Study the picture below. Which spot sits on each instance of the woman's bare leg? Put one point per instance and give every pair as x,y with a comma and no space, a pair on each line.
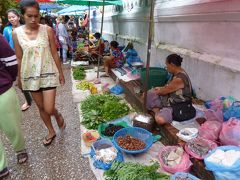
38,97
106,61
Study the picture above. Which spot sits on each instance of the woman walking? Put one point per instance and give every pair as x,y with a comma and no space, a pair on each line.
14,22
39,65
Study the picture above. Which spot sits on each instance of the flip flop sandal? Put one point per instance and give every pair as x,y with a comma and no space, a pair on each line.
49,140
22,156
25,108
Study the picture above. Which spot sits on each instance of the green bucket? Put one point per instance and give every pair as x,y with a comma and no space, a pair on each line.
157,76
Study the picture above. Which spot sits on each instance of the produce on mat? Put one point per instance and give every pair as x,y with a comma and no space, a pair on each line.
111,129
224,158
79,73
174,157
90,137
97,109
130,143
199,147
84,85
134,171
106,155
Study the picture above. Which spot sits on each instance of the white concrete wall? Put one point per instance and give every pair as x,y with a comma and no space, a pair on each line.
204,32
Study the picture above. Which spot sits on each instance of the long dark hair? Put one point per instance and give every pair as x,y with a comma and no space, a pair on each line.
28,3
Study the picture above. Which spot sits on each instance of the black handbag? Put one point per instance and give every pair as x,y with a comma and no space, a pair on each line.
183,111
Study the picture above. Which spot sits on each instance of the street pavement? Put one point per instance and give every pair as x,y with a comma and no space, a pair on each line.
62,160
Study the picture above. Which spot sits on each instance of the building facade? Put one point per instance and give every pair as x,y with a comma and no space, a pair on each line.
203,32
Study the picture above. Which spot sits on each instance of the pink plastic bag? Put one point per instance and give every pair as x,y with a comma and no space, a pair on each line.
214,115
184,165
210,130
208,143
230,133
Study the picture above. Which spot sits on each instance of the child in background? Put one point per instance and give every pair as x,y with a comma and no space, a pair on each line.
132,55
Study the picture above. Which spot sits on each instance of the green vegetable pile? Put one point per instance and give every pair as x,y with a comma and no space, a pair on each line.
98,109
79,73
134,171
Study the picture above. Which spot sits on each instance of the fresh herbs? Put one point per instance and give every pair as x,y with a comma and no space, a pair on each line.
79,73
97,109
134,171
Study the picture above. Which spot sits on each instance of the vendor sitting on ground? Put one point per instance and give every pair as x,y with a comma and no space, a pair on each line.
99,47
115,60
177,90
132,55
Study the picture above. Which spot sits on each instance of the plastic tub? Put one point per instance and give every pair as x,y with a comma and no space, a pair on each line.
157,76
135,132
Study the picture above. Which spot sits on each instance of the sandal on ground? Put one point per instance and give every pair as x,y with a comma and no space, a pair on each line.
48,141
25,107
4,173
22,156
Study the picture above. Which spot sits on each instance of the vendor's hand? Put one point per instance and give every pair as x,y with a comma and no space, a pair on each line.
157,90
62,79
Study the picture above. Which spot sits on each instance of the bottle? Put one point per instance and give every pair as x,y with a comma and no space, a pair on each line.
117,80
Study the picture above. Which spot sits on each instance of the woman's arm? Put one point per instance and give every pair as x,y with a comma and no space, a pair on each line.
19,54
55,55
171,87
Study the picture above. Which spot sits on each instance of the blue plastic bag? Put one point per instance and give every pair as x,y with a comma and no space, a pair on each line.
100,164
117,89
224,172
183,175
232,111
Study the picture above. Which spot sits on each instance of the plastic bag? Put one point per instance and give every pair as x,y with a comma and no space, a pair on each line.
210,130
230,133
232,111
117,89
184,165
215,104
224,172
183,176
210,144
100,164
214,115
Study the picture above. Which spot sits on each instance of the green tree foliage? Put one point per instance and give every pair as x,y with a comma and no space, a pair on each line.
4,6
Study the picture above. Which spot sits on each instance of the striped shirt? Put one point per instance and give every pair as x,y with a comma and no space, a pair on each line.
8,65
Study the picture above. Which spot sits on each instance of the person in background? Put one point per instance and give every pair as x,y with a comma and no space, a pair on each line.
71,25
40,65
14,22
49,22
115,60
42,20
9,107
99,45
132,55
63,38
1,26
